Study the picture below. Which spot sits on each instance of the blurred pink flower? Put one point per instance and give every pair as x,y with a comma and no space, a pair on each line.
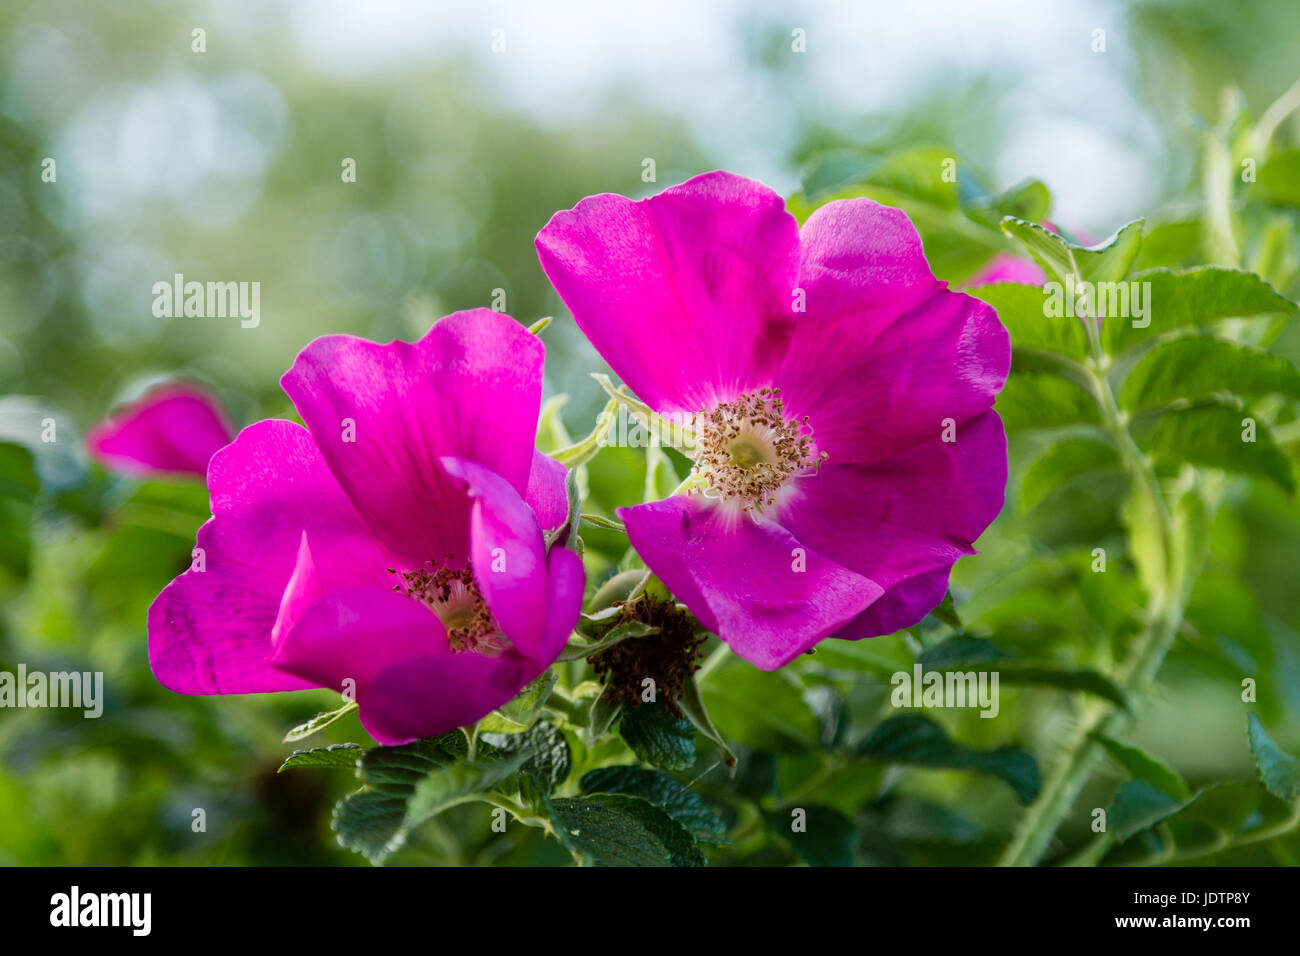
172,429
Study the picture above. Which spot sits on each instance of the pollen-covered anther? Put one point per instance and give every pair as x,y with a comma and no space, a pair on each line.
453,595
748,449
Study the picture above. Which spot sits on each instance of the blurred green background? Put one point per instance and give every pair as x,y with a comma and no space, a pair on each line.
225,165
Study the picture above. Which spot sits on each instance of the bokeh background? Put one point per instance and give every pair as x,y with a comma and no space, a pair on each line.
470,124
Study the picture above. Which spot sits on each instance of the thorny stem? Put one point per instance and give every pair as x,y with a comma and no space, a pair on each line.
1137,675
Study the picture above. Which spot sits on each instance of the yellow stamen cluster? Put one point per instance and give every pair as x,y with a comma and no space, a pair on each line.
748,449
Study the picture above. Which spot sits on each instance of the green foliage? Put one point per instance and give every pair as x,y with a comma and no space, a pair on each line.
916,740
615,829
683,805
658,737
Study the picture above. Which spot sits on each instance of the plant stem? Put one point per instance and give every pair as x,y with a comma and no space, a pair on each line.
1137,675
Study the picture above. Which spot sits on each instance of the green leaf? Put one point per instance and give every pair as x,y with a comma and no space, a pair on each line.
1021,308
1063,462
1146,768
1214,436
916,740
657,737
335,755
1138,805
615,829
621,632
318,723
1107,261
1209,820
828,838
549,759
1192,297
1033,400
404,787
1279,771
518,714
1197,367
760,709
685,806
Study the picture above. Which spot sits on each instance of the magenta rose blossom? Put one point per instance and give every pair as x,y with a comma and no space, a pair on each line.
172,429
394,546
846,452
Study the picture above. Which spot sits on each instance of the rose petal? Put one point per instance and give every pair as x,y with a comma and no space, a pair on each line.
688,294
546,493
886,353
909,514
508,555
210,630
753,584
470,388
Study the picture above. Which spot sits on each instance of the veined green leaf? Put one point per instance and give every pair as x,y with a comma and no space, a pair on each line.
1196,367
685,806
1192,297
1107,261
1216,436
318,723
404,787
657,737
617,829
335,755
1279,771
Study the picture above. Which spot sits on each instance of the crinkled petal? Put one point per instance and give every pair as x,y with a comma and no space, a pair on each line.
172,429
210,630
689,295
906,515
752,583
886,354
383,415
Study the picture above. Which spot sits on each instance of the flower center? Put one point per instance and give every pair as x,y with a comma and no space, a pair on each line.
454,596
747,450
